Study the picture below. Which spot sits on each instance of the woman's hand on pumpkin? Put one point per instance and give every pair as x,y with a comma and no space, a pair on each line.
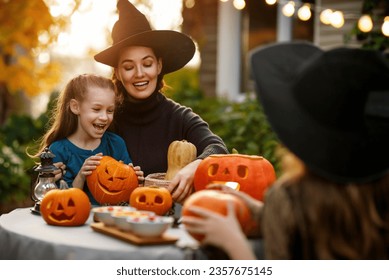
181,185
139,173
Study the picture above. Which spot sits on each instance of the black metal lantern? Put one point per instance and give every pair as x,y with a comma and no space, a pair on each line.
46,179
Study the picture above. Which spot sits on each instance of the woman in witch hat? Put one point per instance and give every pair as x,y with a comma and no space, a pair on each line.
330,110
147,120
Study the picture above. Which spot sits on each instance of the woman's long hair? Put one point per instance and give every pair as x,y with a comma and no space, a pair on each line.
63,122
339,221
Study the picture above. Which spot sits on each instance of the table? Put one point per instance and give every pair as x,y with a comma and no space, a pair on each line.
25,236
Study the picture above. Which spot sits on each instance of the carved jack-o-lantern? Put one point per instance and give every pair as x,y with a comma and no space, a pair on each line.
253,173
112,181
152,198
65,207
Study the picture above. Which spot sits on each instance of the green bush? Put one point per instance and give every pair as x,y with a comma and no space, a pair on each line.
15,165
18,135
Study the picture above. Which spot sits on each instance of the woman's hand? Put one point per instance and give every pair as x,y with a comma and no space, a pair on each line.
58,174
182,184
221,231
138,173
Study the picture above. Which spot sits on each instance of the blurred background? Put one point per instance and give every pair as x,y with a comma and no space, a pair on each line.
44,43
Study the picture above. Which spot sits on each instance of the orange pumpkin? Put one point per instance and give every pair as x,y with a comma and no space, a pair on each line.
112,181
216,201
152,198
253,173
65,207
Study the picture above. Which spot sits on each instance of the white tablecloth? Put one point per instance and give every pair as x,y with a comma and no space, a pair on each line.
24,235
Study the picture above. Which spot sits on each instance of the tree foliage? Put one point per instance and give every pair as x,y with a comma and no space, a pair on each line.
27,30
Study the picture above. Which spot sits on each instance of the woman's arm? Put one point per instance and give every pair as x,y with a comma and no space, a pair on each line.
197,132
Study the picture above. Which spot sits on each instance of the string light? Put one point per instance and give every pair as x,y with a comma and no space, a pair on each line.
327,16
365,23
189,4
304,12
337,19
385,26
288,9
239,4
271,2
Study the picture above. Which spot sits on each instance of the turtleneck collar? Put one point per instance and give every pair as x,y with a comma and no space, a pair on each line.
140,111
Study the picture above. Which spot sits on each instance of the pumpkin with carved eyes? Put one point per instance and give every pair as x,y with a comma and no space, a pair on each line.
253,173
112,181
65,207
152,198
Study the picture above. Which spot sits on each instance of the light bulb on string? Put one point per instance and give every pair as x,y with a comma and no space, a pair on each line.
304,13
189,4
271,2
239,4
288,9
325,16
337,19
365,23
385,26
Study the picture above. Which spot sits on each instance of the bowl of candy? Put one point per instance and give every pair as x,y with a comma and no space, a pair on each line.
104,213
120,218
150,226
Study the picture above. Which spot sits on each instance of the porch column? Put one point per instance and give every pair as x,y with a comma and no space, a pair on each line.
228,54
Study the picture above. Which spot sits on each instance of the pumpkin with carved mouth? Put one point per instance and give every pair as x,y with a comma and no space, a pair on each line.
65,207
254,174
112,181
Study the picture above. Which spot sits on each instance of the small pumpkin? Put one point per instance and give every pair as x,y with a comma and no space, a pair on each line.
180,154
216,201
65,207
253,173
152,198
112,181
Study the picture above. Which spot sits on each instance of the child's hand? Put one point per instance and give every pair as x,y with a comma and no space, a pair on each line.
90,164
221,231
138,173
255,206
214,226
